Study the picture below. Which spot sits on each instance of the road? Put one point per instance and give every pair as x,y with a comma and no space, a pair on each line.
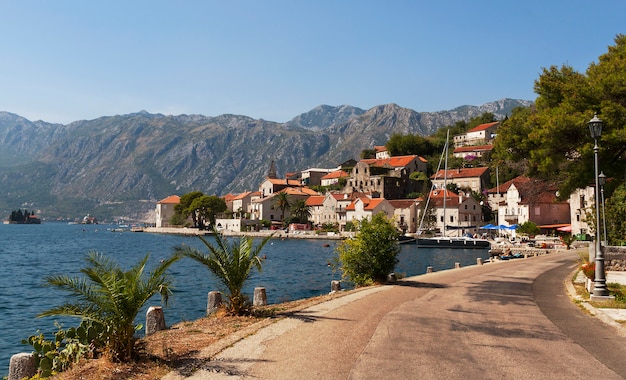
508,320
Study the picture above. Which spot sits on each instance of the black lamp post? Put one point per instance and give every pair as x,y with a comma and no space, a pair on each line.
599,288
602,181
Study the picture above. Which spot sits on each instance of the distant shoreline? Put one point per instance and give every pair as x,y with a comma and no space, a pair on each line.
277,234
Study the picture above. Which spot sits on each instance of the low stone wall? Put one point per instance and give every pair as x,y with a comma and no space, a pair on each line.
615,258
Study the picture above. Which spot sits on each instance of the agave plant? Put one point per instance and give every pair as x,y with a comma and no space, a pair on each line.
112,297
232,263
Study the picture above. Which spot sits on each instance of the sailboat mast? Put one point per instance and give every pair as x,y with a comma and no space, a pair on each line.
445,183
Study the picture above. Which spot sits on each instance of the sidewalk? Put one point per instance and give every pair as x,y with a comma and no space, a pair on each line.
612,317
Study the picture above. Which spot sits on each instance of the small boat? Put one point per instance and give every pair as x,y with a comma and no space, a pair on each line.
453,242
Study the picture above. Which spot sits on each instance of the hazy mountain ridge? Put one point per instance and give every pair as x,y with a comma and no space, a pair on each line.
110,163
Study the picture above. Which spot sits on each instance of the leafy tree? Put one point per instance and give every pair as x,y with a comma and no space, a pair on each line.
372,254
205,208
301,211
282,202
112,297
184,208
615,216
368,153
402,145
232,263
529,228
552,140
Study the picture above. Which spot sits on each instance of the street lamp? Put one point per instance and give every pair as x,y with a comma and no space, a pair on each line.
602,181
599,288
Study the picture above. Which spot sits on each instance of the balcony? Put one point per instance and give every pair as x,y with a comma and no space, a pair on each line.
511,219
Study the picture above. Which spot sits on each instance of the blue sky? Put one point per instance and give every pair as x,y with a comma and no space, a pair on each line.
62,61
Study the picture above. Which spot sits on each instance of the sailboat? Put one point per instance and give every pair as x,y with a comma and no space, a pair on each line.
463,242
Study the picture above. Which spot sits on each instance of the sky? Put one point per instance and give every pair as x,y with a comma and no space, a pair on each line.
62,61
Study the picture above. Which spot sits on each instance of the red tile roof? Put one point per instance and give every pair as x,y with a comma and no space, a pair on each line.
460,173
172,199
380,148
482,127
395,162
315,200
336,174
475,148
402,203
243,195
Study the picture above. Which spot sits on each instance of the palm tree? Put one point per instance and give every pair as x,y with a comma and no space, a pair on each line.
301,210
232,263
112,297
282,202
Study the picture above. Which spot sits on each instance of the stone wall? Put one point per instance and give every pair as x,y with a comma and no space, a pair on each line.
615,258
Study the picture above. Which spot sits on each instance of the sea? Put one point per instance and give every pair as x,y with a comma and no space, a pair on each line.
293,269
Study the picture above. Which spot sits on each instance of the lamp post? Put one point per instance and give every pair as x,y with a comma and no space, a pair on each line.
599,288
602,181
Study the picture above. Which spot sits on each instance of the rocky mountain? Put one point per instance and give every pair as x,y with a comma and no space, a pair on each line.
119,166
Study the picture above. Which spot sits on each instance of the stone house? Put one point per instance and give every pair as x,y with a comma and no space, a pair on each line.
386,178
475,179
405,214
263,207
582,205
241,202
165,210
526,199
472,151
333,177
483,134
462,213
365,208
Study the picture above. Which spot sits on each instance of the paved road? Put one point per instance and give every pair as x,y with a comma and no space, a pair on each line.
509,320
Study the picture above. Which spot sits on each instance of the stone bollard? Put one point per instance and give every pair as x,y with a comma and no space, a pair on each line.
155,320
214,302
22,365
335,286
391,278
260,297
429,269
479,261
457,265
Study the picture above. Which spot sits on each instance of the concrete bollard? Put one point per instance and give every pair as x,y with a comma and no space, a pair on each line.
22,365
429,269
155,320
335,286
391,278
214,302
457,265
479,261
260,297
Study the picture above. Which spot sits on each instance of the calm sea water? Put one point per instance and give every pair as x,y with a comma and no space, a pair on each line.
294,269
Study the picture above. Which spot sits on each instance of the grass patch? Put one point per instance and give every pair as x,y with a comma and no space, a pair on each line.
616,290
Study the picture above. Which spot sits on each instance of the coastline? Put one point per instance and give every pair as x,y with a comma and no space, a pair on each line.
276,234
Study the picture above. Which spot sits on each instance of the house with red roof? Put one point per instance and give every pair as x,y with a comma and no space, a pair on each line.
458,214
475,151
475,179
524,199
365,208
165,210
241,202
264,207
381,151
333,177
405,214
387,177
480,135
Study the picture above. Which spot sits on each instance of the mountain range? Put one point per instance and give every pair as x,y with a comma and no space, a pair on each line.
119,166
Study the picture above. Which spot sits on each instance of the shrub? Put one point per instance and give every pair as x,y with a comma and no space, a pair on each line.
372,254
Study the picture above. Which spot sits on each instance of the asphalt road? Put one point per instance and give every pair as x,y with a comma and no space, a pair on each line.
509,320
